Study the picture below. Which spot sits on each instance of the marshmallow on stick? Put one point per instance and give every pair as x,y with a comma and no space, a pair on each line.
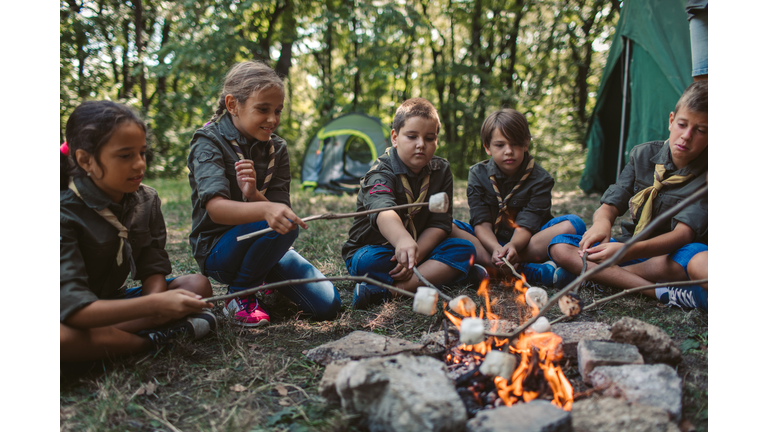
536,297
498,363
472,331
463,305
425,301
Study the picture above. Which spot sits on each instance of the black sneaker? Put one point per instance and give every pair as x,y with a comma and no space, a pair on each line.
194,326
366,296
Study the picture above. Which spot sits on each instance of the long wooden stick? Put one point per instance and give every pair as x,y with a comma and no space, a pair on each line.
337,216
609,262
429,284
634,290
515,273
280,284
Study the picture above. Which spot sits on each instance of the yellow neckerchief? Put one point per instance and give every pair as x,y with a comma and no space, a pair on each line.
409,195
644,199
503,202
270,166
110,217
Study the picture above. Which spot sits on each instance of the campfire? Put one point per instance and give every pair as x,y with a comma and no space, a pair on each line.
486,380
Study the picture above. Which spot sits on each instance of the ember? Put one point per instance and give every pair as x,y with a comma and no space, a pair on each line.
537,376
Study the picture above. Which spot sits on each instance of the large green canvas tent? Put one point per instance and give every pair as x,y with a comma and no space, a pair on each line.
648,68
342,152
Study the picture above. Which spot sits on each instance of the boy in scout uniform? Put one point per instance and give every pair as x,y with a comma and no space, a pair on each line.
510,202
658,175
388,245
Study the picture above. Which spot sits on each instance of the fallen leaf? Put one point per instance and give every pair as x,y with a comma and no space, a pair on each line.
281,390
305,352
147,389
284,402
238,388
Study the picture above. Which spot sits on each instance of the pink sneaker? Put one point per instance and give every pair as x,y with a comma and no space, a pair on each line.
246,311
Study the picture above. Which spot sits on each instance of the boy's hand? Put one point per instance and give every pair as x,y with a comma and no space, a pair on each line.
178,303
507,251
602,252
407,256
281,218
596,234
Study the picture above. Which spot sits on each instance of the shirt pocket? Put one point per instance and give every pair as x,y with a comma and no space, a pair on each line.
518,203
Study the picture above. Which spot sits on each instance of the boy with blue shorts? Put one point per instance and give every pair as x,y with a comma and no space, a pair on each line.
388,245
510,202
658,175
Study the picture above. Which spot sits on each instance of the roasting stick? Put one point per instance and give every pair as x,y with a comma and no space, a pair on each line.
429,284
609,262
633,290
438,203
280,284
514,272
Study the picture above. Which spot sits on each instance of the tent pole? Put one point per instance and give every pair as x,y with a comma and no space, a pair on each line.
619,166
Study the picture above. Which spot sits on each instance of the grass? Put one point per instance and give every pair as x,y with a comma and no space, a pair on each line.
260,379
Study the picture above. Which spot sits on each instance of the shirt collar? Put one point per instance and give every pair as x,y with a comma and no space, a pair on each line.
96,199
494,170
398,167
696,167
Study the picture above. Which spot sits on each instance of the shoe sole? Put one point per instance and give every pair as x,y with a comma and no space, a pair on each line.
243,323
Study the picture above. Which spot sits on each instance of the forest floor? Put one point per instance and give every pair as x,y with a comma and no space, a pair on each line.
260,379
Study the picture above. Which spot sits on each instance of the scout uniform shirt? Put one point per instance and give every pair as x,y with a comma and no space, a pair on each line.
638,174
530,207
212,173
89,243
381,187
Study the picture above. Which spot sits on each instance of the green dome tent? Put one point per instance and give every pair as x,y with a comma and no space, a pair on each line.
648,68
342,152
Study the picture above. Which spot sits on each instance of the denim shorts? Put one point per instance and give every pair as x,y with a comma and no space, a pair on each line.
135,292
681,256
699,43
576,221
375,259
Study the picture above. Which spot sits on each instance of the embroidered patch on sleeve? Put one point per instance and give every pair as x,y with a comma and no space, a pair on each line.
379,187
204,156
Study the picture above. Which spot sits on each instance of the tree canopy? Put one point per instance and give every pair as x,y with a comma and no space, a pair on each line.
168,58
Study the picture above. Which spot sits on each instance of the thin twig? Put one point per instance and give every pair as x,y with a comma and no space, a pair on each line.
634,290
280,284
610,261
515,273
422,278
329,216
160,419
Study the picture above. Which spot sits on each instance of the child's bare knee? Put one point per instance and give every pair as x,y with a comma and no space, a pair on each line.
195,283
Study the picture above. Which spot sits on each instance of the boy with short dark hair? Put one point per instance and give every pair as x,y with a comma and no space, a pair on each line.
658,175
388,245
510,202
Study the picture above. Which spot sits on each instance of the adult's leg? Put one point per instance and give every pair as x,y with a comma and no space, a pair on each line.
319,299
98,343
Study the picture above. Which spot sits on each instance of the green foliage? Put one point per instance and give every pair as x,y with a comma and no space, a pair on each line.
542,57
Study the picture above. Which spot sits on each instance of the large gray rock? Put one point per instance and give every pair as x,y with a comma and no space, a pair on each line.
596,353
613,415
358,345
654,343
653,385
401,393
534,416
575,332
327,386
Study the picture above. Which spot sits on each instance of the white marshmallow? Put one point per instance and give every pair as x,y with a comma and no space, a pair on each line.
462,305
541,325
472,331
425,301
438,203
536,297
498,363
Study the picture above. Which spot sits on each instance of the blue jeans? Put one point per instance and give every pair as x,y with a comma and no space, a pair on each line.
267,258
576,221
375,259
699,43
681,256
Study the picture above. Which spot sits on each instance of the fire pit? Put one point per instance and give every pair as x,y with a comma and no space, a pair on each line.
537,374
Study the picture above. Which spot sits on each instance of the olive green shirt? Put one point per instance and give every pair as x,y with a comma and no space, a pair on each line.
212,173
530,207
638,174
89,244
381,187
